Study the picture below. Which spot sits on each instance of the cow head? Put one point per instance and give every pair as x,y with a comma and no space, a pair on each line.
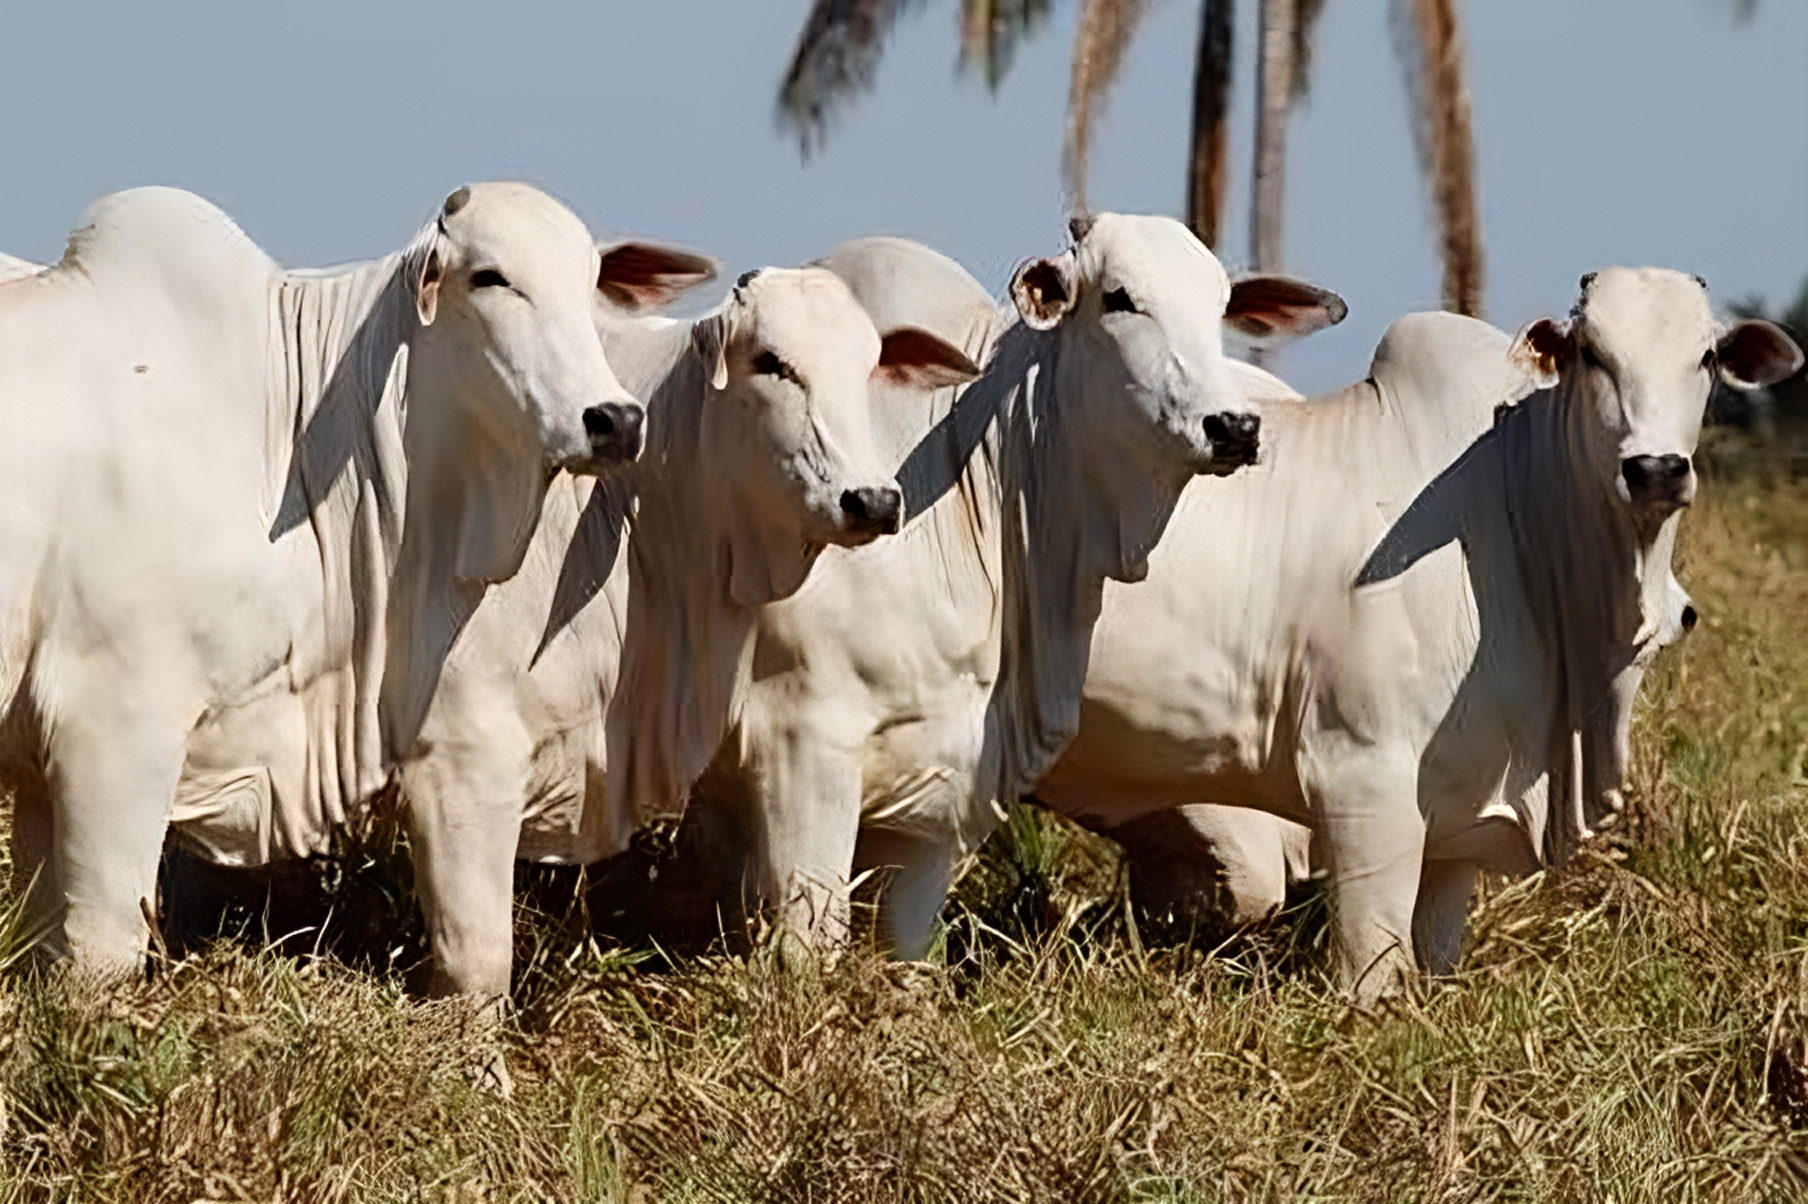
787,424
1640,350
1145,304
1136,311
504,283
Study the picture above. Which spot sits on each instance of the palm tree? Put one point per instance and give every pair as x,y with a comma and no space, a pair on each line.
842,41
1443,134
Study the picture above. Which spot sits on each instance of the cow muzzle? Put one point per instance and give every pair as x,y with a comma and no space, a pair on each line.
872,511
1658,485
615,431
1234,439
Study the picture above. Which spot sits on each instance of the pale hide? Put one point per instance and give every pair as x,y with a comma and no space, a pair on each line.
245,510
620,651
1419,625
911,688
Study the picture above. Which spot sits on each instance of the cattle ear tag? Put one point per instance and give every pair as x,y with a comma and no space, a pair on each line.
1540,350
426,286
1043,291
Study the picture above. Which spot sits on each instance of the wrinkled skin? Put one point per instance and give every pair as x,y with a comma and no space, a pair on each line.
912,686
207,565
760,454
1431,663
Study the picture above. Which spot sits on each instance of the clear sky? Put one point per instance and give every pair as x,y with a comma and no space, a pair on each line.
1608,131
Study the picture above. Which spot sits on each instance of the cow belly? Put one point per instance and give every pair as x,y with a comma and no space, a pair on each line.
1124,764
225,815
273,776
553,822
918,771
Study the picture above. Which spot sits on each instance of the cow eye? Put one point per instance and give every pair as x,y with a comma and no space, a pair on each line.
1118,301
1707,360
767,363
1591,359
488,278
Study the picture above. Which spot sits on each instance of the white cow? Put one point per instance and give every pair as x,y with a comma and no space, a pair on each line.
911,687
760,454
244,511
13,268
1419,625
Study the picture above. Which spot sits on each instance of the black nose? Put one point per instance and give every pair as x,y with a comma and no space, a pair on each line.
614,430
1689,618
1234,438
873,511
1657,481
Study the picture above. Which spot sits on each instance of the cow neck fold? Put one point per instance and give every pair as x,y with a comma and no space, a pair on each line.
334,459
1059,544
1587,582
687,643
389,519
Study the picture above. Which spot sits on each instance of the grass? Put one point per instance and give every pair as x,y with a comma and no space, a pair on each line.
1631,1029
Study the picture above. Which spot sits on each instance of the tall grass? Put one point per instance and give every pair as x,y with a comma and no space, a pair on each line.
1630,1029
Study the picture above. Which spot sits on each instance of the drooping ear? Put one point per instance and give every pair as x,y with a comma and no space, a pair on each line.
644,275
914,357
1044,290
1755,353
426,284
709,339
1541,349
1271,310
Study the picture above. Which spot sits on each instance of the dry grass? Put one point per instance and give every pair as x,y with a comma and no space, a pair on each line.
1631,1030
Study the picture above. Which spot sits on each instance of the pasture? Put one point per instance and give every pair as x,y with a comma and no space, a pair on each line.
1632,1029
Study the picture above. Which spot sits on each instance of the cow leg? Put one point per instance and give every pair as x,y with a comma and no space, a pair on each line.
1211,866
114,759
922,869
465,826
804,820
1374,843
1442,912
34,861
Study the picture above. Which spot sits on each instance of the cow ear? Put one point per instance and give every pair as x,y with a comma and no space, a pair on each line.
912,356
709,338
1271,310
426,284
644,275
1755,353
1043,290
1540,349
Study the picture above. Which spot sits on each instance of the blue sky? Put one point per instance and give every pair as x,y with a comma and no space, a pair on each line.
1608,131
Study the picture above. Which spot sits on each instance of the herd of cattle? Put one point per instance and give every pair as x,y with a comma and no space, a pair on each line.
854,560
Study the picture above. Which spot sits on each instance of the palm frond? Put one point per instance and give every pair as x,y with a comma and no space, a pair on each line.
1305,36
993,30
836,58
1100,41
1429,41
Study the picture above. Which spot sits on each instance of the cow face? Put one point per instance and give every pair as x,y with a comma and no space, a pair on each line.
504,288
1640,351
1145,303
788,423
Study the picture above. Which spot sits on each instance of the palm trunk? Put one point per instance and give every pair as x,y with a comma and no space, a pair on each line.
1274,91
1446,142
1206,184
1100,42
